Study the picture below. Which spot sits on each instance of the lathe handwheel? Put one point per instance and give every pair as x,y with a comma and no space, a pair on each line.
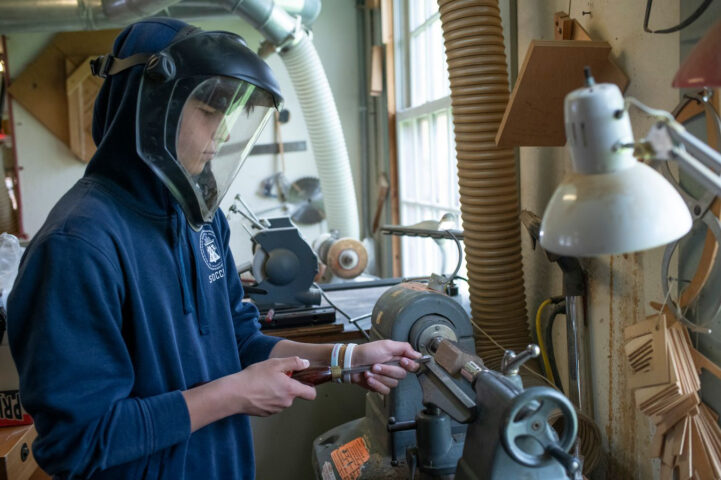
526,419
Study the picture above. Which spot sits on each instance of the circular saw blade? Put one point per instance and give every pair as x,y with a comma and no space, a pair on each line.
308,214
306,194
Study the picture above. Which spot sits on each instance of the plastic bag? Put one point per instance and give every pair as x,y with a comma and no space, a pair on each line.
10,254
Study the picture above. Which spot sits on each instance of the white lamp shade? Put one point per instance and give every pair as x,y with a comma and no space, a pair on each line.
610,213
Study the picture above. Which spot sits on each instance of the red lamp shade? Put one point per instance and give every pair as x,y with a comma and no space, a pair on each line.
702,67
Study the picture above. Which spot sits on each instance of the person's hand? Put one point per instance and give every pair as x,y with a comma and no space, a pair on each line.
381,378
265,388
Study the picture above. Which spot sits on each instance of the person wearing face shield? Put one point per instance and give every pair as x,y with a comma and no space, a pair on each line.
137,356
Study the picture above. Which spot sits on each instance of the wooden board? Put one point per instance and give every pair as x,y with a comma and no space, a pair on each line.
376,74
16,458
567,28
40,88
81,88
551,70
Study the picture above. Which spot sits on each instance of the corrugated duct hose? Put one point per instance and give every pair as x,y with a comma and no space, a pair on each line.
487,175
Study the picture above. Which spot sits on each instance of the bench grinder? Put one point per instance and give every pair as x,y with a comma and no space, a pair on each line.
454,418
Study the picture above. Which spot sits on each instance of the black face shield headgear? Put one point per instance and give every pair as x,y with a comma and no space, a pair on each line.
202,104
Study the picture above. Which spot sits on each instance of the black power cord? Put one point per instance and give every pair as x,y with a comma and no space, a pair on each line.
691,18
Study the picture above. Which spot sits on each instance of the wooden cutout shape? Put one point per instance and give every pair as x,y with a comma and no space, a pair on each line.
687,405
646,350
705,460
81,89
551,70
40,88
703,362
713,437
685,463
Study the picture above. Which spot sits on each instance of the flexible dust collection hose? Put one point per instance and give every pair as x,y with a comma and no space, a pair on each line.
487,174
326,136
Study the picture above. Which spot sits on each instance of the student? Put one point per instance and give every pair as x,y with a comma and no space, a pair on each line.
137,357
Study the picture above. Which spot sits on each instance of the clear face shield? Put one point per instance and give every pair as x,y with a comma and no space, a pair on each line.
207,139
219,124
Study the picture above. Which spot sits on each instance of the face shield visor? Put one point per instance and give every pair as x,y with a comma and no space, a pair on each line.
198,138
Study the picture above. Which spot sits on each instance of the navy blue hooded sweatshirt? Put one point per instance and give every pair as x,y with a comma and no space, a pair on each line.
119,306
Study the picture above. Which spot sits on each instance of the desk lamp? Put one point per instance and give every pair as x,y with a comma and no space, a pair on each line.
611,203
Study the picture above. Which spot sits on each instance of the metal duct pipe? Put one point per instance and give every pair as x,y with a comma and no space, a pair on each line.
487,175
274,23
132,9
307,10
66,15
57,15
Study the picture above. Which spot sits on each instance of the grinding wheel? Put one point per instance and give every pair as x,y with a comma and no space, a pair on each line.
347,258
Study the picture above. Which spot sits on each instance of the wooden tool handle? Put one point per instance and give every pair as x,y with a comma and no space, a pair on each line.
313,375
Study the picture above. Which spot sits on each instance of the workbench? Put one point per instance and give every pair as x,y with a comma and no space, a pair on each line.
354,298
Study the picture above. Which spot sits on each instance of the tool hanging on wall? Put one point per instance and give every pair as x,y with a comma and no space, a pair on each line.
305,194
302,199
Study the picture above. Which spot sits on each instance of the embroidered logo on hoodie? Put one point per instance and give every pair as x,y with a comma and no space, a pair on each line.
209,250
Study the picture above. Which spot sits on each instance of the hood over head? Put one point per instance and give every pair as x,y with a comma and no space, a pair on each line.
192,103
114,116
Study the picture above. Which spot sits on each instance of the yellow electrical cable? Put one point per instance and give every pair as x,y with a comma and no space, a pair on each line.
539,333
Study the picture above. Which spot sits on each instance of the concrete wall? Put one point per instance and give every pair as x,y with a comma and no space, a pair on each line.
620,287
48,168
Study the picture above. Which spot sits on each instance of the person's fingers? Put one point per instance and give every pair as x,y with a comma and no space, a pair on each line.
407,351
303,391
292,364
387,381
377,386
389,371
409,364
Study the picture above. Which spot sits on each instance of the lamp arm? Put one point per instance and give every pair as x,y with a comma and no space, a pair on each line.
697,159
669,140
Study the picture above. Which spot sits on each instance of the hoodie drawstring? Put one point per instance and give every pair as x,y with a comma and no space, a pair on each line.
178,230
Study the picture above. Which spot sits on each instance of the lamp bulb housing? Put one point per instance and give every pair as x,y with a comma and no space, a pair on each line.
596,125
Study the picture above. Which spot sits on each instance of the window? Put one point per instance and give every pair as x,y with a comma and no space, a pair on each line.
427,170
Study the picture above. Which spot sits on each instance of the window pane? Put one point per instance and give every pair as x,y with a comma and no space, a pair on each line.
441,191
424,168
406,154
431,8
419,69
416,14
428,180
438,71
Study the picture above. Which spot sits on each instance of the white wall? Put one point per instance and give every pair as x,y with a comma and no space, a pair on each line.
49,169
